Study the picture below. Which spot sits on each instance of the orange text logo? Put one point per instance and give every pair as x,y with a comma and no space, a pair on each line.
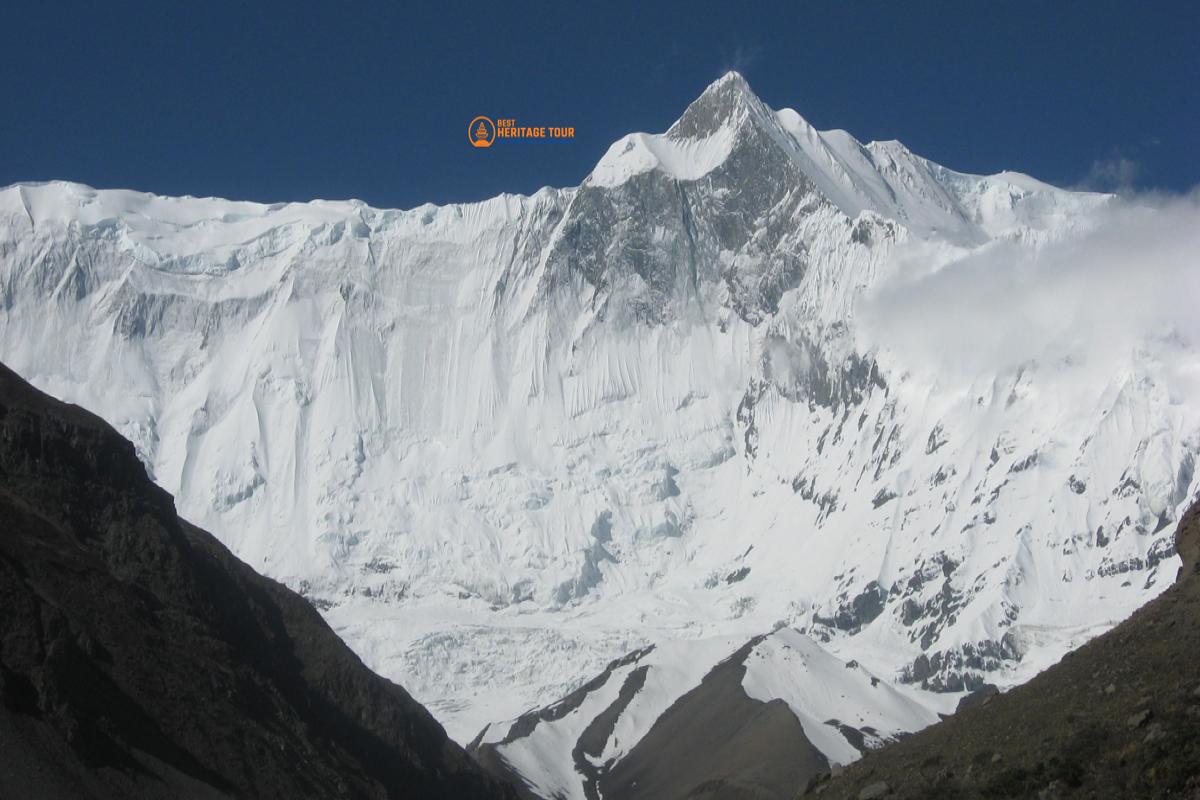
482,132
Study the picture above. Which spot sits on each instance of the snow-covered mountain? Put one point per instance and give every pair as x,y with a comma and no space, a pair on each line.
504,444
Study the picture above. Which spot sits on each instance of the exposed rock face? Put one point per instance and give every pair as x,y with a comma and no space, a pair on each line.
139,659
1187,543
711,718
650,243
1118,718
717,742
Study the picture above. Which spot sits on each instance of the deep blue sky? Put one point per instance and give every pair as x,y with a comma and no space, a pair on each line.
294,100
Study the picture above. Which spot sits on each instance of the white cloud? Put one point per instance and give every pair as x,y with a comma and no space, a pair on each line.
1130,276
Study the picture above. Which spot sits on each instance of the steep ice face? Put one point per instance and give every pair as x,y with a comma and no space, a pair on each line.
501,444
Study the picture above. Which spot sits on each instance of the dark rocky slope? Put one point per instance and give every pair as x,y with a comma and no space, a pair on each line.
140,659
717,743
1118,718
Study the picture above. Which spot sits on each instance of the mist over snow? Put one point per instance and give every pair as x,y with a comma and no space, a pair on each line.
1125,275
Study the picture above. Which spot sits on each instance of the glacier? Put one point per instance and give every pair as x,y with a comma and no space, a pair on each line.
504,443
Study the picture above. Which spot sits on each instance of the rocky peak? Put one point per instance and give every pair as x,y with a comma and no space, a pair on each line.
726,102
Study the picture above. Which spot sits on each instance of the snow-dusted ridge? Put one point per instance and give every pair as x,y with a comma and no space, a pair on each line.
502,444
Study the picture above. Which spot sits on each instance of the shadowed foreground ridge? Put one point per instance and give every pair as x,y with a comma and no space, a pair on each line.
1117,718
140,659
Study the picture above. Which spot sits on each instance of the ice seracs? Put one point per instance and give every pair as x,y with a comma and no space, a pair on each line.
502,444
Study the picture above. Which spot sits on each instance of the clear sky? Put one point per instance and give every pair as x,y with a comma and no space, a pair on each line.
298,100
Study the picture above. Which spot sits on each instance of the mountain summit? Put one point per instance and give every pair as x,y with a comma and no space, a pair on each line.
726,117
725,102
781,149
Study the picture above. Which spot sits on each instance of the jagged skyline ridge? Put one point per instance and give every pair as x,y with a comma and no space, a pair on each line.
326,106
